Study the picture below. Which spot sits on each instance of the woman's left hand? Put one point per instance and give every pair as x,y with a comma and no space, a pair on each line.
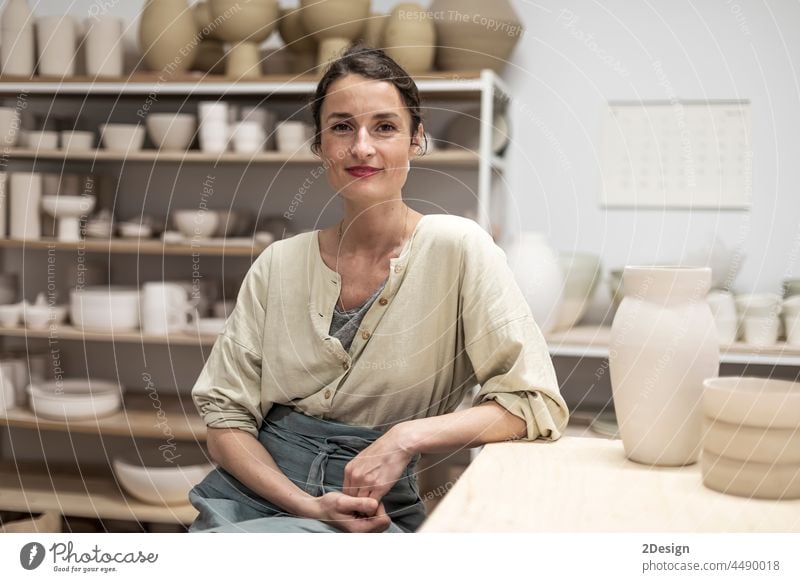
375,470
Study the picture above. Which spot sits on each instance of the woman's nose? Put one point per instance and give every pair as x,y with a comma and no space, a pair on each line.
362,144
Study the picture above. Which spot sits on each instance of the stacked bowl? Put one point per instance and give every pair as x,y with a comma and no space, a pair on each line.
751,442
759,319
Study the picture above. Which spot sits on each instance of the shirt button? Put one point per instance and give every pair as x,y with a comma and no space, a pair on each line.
383,301
365,334
346,366
327,394
398,268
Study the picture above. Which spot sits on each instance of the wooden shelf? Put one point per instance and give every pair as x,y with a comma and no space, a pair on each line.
446,84
24,488
593,342
68,332
135,246
454,158
138,419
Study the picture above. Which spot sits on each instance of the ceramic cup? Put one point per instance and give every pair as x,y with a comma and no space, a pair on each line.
291,136
761,331
56,38
40,140
212,111
213,136
7,391
104,46
165,308
9,126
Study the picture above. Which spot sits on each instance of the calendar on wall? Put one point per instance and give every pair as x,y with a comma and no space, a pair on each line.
691,154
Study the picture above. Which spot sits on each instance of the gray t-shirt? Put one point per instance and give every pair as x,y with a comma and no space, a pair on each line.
345,324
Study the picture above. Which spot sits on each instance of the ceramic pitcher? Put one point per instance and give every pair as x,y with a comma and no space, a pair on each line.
663,345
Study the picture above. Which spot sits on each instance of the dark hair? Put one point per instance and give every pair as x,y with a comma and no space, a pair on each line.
374,64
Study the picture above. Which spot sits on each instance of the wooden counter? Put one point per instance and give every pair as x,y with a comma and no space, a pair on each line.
587,485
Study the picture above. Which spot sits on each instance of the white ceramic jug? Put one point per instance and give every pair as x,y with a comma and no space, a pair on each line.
165,308
663,345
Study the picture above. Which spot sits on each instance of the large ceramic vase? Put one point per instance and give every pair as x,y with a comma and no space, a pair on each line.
104,46
475,34
337,21
663,345
301,46
210,56
56,39
410,38
168,35
538,273
17,39
244,25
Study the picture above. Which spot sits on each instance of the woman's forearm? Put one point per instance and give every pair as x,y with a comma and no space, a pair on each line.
245,458
486,423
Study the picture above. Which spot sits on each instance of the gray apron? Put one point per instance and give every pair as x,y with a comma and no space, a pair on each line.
313,454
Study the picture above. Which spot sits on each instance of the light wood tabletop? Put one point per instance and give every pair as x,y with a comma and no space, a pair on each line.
587,485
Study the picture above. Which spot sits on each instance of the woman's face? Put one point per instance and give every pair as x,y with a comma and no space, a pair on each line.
366,139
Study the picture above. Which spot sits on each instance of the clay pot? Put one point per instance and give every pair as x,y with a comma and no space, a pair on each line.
373,32
104,50
663,346
236,21
210,57
243,61
168,35
56,38
17,50
472,35
410,37
331,49
538,273
344,19
294,36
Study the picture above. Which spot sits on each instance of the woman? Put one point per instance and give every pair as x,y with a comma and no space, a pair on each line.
350,347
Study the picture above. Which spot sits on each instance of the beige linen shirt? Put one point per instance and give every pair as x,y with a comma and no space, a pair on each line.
450,316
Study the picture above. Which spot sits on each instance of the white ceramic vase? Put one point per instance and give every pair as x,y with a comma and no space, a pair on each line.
26,195
537,270
17,48
104,40
663,345
56,38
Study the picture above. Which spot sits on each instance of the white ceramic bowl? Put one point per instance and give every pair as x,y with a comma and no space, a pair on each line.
752,443
102,308
752,401
123,137
41,140
171,131
135,230
196,224
161,485
10,314
75,398
75,140
41,316
60,205
750,479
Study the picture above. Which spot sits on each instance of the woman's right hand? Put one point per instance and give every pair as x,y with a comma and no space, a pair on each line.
351,514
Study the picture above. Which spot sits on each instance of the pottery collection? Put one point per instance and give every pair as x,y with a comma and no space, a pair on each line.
104,47
17,39
56,38
663,346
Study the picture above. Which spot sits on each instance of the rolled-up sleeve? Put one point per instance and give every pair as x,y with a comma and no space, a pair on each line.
505,346
227,393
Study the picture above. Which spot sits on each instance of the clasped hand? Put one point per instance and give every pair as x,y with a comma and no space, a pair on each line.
367,478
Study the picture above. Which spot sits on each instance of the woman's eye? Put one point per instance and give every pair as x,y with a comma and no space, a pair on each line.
386,127
340,127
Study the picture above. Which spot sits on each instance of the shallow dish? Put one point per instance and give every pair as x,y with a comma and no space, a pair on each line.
752,443
161,482
752,401
749,479
75,398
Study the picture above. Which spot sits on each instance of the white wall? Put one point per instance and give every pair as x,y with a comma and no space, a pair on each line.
562,74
